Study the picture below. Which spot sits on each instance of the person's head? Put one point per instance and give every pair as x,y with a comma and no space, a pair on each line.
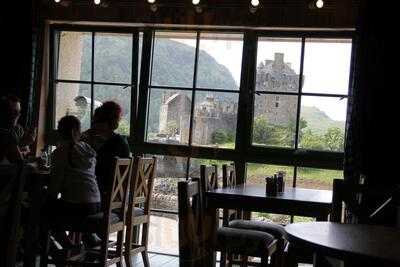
108,114
10,110
69,128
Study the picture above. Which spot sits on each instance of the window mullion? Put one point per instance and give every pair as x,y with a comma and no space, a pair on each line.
92,81
196,60
134,83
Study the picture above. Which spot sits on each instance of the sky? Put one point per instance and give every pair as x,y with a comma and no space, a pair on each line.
326,66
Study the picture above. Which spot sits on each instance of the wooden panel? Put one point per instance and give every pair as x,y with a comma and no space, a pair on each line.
279,13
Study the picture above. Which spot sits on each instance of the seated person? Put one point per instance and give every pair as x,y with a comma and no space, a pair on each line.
12,110
105,141
9,150
72,176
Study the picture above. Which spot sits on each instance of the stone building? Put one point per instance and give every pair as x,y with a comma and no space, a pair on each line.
212,115
174,115
276,76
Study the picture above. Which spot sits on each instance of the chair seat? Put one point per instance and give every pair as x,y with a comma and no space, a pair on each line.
278,231
90,223
246,242
138,212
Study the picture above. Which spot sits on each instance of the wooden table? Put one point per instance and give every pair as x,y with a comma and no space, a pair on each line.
294,201
357,245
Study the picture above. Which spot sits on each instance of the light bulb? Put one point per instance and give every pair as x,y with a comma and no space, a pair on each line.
97,2
196,2
320,3
255,2
57,1
151,1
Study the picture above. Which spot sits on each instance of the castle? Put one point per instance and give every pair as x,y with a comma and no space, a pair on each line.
213,113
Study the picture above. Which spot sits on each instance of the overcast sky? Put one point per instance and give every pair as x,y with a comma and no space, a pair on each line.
326,67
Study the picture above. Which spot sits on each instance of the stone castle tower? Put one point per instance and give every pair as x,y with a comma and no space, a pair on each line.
276,76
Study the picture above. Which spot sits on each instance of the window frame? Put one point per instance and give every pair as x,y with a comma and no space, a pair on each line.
55,31
244,152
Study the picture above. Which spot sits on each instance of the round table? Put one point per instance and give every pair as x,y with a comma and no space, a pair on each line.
348,241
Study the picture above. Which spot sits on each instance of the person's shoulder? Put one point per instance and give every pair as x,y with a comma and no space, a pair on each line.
119,138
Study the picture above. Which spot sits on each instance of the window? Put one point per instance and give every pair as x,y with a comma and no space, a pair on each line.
163,235
191,114
194,90
301,95
91,68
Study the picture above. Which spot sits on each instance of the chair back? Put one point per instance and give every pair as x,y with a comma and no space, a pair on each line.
12,179
229,180
142,183
228,175
194,239
117,197
209,174
363,201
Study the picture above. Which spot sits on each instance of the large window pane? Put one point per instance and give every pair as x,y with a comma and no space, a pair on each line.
327,66
74,56
323,126
113,58
163,234
173,59
278,64
73,99
169,116
317,178
274,120
120,95
170,171
215,119
256,173
220,61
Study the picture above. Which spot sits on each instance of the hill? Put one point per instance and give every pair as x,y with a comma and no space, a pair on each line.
317,120
171,58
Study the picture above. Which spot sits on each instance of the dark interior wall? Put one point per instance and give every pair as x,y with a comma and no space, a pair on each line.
16,49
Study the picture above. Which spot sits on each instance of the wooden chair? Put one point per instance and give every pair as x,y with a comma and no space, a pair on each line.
12,181
138,214
110,220
236,219
197,242
369,204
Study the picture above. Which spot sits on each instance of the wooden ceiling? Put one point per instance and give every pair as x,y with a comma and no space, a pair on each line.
271,13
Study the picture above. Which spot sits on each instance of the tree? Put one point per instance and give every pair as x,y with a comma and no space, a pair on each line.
334,139
312,141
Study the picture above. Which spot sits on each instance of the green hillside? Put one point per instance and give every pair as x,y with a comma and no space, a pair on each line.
170,68
317,121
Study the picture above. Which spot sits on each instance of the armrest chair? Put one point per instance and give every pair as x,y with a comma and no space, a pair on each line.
138,215
110,220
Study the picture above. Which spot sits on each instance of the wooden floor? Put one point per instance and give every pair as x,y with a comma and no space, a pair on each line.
157,260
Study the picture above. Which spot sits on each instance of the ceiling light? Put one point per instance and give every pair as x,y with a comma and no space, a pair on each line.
255,3
97,2
196,2
151,1
320,3
57,1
